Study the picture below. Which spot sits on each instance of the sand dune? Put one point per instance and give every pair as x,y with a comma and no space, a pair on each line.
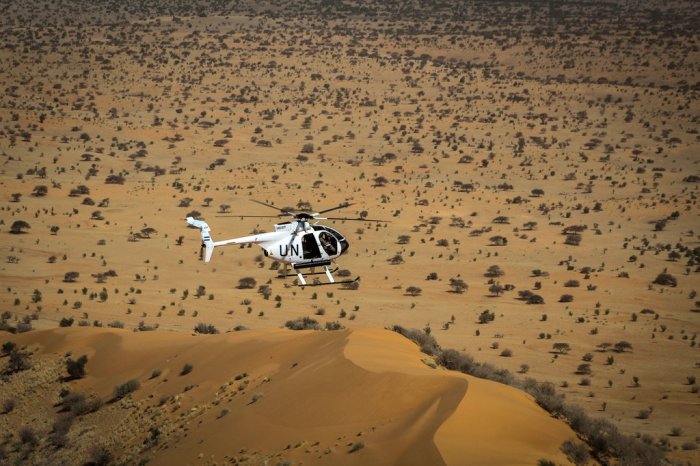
556,142
305,396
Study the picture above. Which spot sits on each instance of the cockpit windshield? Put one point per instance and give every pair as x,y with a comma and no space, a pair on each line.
337,235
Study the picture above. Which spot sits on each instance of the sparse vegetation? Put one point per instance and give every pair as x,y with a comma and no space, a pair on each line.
76,368
458,285
19,226
666,279
8,405
71,277
540,138
576,452
602,436
486,316
100,456
413,291
247,283
122,390
203,328
17,361
303,323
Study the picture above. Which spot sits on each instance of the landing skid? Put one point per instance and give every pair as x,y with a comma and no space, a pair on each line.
287,275
328,272
302,285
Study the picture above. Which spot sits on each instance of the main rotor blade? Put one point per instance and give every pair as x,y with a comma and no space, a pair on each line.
341,206
248,216
358,219
272,206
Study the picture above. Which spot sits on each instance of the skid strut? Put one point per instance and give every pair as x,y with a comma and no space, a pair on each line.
326,270
331,280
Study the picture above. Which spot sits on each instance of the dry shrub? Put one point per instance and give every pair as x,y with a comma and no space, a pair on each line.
120,391
425,341
601,435
8,405
576,452
79,405
100,456
545,395
303,323
27,436
455,360
207,329
17,362
76,368
61,426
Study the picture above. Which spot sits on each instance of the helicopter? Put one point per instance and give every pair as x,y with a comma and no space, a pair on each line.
297,242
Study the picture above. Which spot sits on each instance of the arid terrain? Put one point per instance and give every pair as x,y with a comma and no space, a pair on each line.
536,162
365,399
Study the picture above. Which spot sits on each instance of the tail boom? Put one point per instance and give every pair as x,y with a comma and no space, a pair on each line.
208,244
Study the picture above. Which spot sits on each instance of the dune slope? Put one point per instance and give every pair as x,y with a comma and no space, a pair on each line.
360,396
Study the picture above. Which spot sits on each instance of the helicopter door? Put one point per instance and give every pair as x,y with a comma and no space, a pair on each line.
310,247
328,243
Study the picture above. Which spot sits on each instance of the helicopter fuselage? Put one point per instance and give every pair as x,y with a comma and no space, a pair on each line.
313,244
297,243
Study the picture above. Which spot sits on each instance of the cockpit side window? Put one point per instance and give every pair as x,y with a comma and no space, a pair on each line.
328,243
309,247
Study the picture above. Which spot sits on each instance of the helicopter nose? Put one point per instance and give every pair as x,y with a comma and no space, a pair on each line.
344,246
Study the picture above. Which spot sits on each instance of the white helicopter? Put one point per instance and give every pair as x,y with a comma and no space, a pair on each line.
295,242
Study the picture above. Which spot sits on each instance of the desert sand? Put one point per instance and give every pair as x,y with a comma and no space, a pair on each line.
300,396
538,161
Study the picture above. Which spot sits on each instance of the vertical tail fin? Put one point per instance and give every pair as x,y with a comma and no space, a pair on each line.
207,242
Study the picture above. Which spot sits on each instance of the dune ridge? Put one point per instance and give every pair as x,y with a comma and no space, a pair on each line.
537,162
360,396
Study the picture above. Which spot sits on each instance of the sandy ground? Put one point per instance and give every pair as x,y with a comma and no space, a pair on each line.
457,126
317,394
